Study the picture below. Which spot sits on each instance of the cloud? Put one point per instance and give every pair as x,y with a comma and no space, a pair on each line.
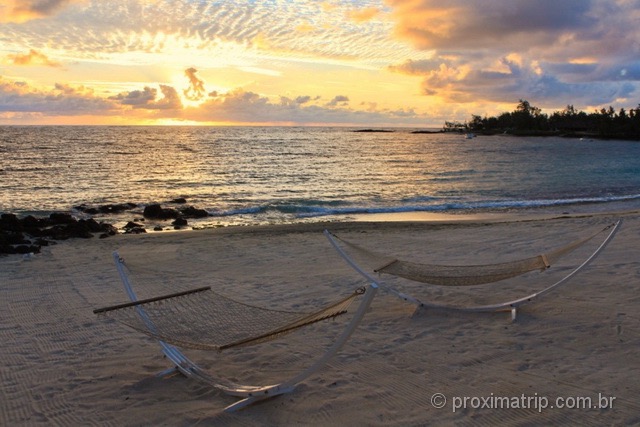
460,24
554,52
516,80
19,11
303,99
148,98
363,15
338,100
218,29
417,68
239,106
17,96
32,58
195,91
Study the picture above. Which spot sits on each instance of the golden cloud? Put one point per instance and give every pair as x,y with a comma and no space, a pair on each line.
32,58
20,11
363,15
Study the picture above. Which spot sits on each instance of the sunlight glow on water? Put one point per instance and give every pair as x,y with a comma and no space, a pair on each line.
265,175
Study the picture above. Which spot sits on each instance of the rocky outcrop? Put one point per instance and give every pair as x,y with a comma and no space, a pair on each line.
29,234
106,209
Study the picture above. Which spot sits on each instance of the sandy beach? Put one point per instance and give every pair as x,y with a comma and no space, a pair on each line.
63,365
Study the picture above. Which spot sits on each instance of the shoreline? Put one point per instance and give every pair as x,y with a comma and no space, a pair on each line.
91,229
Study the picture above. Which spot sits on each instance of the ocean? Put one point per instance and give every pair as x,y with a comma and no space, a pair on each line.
276,175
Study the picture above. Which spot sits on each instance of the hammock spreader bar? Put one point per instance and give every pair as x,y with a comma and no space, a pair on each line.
148,300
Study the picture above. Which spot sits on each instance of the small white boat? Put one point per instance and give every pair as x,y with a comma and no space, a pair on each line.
470,136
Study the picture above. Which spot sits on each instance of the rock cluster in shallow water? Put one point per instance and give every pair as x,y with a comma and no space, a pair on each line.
28,234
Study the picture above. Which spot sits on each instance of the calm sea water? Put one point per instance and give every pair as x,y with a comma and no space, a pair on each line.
258,175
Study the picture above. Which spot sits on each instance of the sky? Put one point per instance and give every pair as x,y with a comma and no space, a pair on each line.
379,63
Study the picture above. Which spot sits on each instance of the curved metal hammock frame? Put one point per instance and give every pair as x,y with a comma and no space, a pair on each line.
504,306
156,317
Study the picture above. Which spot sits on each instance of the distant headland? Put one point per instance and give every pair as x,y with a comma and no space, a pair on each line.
528,120
373,130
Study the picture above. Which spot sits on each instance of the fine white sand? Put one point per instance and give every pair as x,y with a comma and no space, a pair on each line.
62,365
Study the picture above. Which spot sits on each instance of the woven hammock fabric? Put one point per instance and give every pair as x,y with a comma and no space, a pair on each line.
467,275
205,320
461,275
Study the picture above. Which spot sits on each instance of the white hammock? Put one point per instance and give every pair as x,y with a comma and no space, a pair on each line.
201,319
464,275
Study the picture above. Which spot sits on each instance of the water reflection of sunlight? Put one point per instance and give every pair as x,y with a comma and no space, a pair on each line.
183,122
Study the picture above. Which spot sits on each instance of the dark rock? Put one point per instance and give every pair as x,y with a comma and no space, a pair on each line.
10,222
80,230
30,221
68,231
61,218
27,249
152,211
158,228
12,238
132,224
86,209
169,213
158,212
15,233
117,208
6,249
99,227
44,242
192,212
108,229
9,218
92,225
179,200
179,222
105,209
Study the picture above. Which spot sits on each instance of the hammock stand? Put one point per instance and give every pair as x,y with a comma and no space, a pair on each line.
512,305
248,393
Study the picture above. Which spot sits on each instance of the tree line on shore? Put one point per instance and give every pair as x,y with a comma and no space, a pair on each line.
530,120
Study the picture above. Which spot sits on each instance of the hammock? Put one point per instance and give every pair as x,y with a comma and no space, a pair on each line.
202,319
185,319
461,275
449,275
